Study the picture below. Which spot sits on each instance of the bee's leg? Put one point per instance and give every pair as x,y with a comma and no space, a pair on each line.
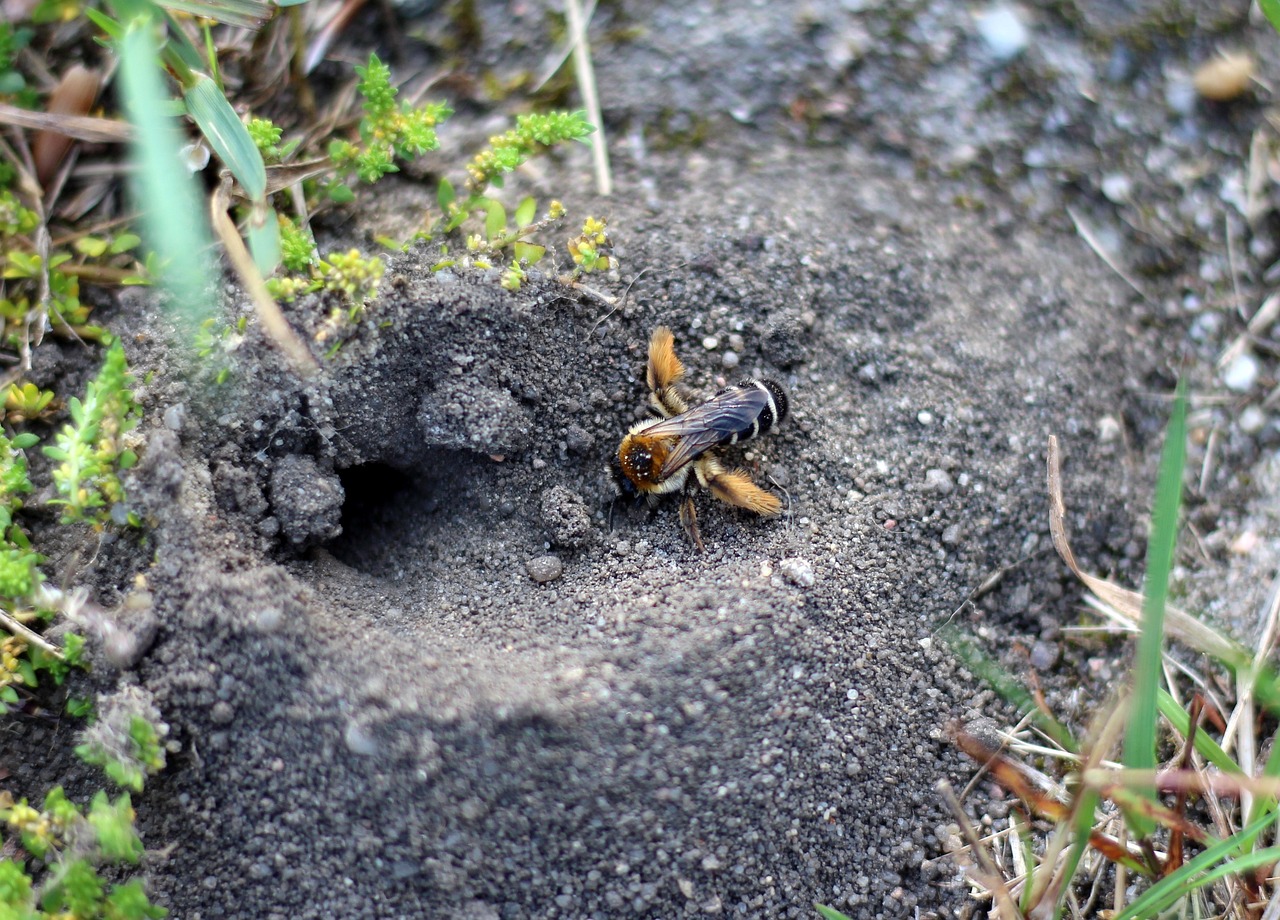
663,374
735,487
689,520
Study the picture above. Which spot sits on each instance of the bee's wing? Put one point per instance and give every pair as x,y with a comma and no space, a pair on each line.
707,425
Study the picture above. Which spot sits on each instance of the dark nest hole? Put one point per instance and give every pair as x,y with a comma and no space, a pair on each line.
381,505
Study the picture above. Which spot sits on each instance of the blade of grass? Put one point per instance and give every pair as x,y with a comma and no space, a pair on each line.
1007,686
1181,721
227,135
1271,9
1140,733
164,189
1202,871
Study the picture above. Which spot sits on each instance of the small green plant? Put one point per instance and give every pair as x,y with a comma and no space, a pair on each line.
591,250
126,740
388,131
26,402
214,340
58,878
93,448
266,137
533,134
54,286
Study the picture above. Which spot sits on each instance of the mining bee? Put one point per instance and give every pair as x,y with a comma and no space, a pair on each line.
677,452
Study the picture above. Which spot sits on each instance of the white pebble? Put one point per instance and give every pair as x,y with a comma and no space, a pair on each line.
797,571
925,417
1252,420
359,740
174,417
1108,429
1003,32
1117,187
729,359
940,481
1241,373
711,343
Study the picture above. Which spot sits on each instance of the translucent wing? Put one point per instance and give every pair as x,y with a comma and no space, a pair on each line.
714,422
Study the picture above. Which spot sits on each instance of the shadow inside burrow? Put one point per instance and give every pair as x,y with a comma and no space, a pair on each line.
398,521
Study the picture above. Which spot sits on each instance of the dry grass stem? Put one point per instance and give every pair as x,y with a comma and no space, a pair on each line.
273,321
29,637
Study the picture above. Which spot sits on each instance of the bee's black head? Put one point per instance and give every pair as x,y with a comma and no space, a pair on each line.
780,401
776,411
624,486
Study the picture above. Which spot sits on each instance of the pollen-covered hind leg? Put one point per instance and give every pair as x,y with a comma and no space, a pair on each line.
664,373
689,521
737,488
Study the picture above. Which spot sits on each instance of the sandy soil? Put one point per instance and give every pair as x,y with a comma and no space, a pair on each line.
419,660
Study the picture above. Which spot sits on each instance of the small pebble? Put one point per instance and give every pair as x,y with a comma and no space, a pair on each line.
1245,544
711,343
1108,429
359,740
940,481
797,571
1241,373
543,569
1225,77
1117,187
1044,655
729,360
1003,32
925,417
174,416
1252,420
222,713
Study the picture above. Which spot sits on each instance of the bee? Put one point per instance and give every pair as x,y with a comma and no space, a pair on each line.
677,452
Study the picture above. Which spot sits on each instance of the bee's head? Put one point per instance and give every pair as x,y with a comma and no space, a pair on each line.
640,459
621,483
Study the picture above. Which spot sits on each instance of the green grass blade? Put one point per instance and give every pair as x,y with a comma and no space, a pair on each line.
165,191
263,233
829,913
1140,733
1271,770
990,671
246,14
1271,9
227,135
1204,870
1181,721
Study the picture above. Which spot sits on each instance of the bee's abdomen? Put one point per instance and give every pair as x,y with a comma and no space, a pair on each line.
774,411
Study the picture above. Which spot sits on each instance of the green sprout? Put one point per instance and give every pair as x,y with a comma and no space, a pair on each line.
591,249
70,844
533,134
266,137
297,246
388,131
127,757
26,402
91,450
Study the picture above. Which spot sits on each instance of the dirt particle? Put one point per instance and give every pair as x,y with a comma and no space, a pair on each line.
543,569
565,516
797,571
939,481
307,501
1044,655
578,440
